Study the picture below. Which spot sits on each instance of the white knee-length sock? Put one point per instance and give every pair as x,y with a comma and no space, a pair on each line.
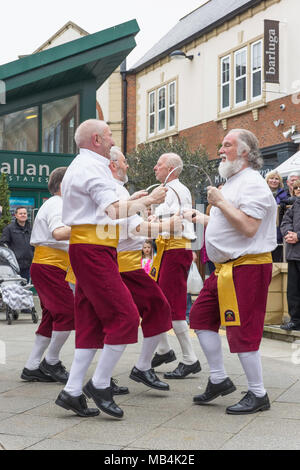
163,345
109,357
211,344
81,362
58,339
148,347
251,363
41,343
182,332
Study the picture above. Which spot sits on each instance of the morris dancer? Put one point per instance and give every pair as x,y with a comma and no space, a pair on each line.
48,271
105,314
171,267
152,305
240,234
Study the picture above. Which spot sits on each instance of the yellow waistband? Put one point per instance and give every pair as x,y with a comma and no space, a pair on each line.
129,261
228,304
165,244
51,256
106,235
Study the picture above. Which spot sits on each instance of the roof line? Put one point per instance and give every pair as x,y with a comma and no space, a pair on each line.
59,32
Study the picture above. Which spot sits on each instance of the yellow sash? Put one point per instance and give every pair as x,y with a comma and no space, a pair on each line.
70,277
106,235
129,261
52,257
165,244
229,310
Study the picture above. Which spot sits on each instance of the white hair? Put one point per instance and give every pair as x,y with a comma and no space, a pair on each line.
249,143
86,129
174,160
115,153
295,173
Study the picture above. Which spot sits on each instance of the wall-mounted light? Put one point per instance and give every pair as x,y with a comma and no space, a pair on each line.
181,55
289,132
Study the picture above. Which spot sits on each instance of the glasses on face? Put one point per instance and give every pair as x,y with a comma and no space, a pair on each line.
297,188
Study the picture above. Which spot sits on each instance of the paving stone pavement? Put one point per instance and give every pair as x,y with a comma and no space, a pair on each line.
29,418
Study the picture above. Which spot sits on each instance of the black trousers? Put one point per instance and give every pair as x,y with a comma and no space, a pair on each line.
293,290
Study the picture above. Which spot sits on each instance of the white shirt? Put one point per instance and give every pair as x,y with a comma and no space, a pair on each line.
88,188
49,218
127,241
249,192
172,206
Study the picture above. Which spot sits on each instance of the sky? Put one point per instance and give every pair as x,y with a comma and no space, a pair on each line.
25,25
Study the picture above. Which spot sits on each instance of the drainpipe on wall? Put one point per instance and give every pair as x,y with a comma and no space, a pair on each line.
124,87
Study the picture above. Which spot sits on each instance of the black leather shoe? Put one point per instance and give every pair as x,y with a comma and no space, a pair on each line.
103,397
290,326
160,359
182,370
116,390
213,391
76,404
149,378
57,371
249,404
35,375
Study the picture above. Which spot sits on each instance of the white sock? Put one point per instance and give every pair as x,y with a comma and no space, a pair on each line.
41,343
148,347
81,362
182,332
211,344
109,357
58,339
163,345
251,363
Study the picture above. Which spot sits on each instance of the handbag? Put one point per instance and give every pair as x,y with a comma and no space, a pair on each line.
194,281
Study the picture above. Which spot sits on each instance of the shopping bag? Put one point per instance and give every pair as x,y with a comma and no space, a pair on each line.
194,281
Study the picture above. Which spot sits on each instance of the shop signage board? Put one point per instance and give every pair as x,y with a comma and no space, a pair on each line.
271,51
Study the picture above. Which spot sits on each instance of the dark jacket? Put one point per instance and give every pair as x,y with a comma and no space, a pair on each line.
291,222
17,238
281,198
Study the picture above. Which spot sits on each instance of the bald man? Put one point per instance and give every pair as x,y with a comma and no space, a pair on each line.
171,267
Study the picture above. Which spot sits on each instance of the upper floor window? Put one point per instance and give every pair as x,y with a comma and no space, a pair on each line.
162,112
241,76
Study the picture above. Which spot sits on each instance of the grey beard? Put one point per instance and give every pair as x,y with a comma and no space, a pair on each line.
227,169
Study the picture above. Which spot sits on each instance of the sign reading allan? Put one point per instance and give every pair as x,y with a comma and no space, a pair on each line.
271,51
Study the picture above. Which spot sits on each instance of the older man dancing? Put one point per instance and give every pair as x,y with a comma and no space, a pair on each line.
240,234
105,314
171,267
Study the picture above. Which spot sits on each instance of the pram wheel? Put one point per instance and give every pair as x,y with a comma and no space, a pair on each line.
34,316
8,315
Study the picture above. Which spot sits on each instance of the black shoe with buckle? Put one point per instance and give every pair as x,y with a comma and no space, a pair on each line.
57,371
291,325
35,375
76,404
249,404
182,370
160,359
213,391
116,390
149,378
103,397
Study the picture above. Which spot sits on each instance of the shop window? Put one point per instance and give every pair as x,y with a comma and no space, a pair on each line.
19,131
60,119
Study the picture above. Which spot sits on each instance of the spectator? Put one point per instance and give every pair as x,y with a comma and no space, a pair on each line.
16,236
290,229
291,180
147,256
275,184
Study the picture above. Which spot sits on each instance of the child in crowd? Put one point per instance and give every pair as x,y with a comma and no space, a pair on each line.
147,256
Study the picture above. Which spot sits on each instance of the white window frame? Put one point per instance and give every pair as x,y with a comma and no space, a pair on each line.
260,69
223,84
171,105
245,76
152,113
160,110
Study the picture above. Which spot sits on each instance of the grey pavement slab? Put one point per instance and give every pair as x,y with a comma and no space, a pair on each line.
153,420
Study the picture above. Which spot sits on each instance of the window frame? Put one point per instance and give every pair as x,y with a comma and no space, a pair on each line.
258,97
242,77
151,93
223,84
172,105
168,105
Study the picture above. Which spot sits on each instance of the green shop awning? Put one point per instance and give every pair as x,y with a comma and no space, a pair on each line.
92,57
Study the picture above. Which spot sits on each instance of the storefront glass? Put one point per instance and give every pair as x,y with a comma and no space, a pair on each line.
60,119
19,130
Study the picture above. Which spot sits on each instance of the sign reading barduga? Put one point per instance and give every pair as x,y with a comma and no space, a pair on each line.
30,170
271,51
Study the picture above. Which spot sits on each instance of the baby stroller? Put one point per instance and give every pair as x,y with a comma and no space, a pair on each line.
15,293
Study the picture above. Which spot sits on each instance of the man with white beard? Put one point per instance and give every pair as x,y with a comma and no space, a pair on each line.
240,234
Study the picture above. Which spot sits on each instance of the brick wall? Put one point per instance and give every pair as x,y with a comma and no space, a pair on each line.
131,112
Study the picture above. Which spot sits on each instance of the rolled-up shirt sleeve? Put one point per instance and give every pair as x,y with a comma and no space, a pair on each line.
255,202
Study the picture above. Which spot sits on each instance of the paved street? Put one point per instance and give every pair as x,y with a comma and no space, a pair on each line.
29,419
